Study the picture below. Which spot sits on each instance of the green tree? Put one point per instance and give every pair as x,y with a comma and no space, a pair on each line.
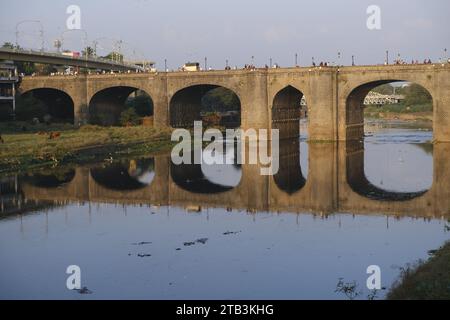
88,51
22,67
387,89
115,56
416,95
142,104
221,99
129,117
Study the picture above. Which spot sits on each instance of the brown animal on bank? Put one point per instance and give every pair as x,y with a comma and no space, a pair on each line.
54,135
1,139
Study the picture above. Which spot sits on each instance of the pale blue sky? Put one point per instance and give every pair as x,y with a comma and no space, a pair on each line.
182,30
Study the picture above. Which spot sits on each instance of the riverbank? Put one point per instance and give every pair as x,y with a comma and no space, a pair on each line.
428,280
33,146
423,112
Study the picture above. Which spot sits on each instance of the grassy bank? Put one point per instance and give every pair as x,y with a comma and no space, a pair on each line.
425,281
419,112
29,146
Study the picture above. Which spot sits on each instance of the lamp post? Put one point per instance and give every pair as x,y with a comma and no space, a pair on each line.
226,64
296,59
339,58
206,63
353,60
165,65
270,63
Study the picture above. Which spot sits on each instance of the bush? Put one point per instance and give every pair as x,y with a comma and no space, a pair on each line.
129,117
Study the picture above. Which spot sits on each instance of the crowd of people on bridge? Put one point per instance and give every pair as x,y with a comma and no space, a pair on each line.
248,67
401,61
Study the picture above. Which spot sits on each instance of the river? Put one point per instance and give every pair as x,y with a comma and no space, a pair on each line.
146,229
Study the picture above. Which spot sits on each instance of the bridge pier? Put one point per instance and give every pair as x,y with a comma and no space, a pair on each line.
441,106
322,105
254,107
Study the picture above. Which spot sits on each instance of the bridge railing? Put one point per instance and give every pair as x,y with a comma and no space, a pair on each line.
81,58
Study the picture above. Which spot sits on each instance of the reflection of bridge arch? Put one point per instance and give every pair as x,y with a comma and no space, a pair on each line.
190,177
57,103
289,177
106,105
125,176
318,193
359,183
434,202
326,190
186,104
50,181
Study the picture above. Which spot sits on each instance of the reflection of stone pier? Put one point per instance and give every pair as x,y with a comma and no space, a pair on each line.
336,182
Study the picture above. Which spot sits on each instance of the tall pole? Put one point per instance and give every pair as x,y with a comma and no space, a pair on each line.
95,43
14,100
206,63
339,58
387,56
296,59
353,60
226,63
165,65
270,62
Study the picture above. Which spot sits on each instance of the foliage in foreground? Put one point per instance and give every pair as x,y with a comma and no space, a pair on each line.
428,280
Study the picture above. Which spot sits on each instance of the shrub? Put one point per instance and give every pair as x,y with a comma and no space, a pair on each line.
129,117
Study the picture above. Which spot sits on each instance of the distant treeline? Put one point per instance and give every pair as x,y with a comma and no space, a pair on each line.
414,93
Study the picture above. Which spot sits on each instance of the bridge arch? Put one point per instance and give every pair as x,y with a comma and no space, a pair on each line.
106,105
355,95
44,101
214,104
287,111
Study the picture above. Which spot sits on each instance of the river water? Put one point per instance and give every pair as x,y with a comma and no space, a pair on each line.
146,229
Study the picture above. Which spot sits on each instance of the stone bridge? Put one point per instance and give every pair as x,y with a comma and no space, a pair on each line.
269,97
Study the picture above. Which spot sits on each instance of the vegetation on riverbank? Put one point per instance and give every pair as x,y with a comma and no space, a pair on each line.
400,111
428,280
417,104
28,146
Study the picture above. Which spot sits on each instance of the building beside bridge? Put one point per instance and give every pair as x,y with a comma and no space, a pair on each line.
8,82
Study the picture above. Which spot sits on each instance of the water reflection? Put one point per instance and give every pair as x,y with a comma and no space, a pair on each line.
288,236
129,175
207,178
290,176
54,179
395,178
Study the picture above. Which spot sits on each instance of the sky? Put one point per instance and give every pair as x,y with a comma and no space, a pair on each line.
237,30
